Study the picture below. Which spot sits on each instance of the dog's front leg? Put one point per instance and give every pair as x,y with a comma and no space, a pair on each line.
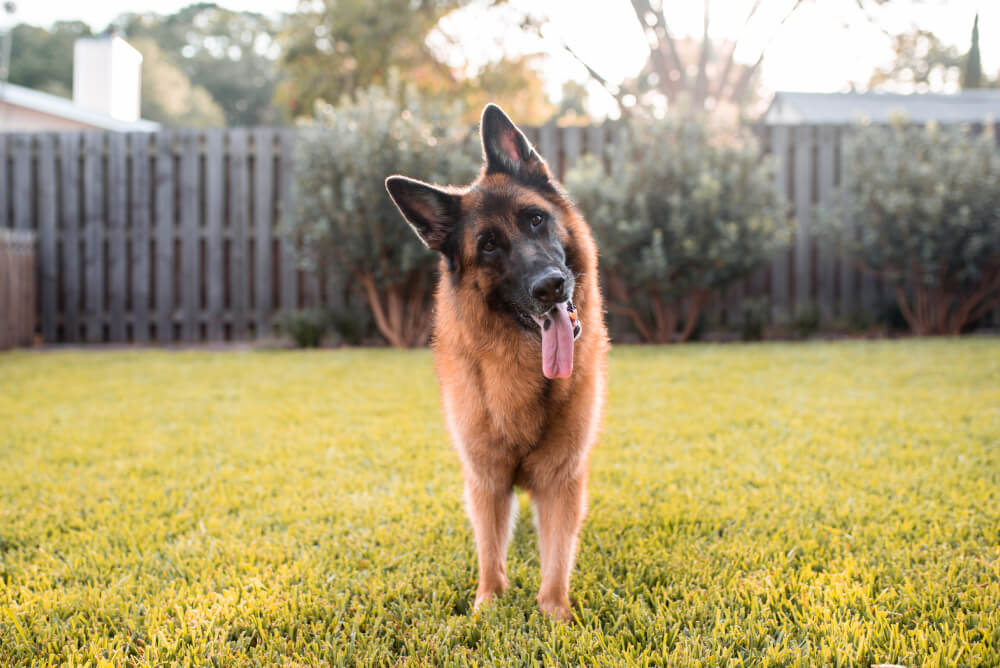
560,506
491,510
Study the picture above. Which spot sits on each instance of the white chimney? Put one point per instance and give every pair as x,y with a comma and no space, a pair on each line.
107,74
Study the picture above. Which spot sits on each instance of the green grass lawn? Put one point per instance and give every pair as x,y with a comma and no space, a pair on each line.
804,504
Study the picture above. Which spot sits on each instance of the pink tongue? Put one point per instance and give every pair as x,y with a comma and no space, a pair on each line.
557,342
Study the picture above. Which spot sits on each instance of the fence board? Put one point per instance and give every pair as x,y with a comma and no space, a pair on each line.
215,275
548,146
802,187
825,185
595,141
780,143
140,234
4,192
93,234
117,200
21,182
239,221
289,283
48,269
163,226
190,238
572,146
69,175
848,273
263,210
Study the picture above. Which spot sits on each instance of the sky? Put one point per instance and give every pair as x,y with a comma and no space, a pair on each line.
824,47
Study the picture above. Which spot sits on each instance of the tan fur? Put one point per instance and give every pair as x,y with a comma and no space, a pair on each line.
509,424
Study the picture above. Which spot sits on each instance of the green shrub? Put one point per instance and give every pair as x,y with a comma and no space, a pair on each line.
925,204
755,315
345,218
305,327
688,214
806,322
352,324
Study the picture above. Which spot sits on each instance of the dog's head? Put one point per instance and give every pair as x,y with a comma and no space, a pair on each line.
505,237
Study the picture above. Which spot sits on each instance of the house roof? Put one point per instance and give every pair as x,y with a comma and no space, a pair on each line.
972,106
65,108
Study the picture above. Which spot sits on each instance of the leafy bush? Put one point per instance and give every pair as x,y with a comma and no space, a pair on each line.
926,206
806,322
755,315
344,216
305,327
688,214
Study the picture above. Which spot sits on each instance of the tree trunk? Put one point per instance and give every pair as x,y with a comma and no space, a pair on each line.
401,313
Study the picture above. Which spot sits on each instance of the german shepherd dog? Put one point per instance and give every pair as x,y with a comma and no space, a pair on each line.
520,348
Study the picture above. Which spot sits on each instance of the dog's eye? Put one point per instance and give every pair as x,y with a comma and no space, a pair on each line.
536,218
489,246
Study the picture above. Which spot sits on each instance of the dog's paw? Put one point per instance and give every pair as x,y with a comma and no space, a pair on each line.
556,609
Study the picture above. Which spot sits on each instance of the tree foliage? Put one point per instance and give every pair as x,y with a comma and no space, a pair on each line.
335,48
687,214
921,62
231,54
169,97
926,204
42,59
972,73
346,220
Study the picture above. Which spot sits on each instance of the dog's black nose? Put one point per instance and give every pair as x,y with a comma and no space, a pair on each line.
549,288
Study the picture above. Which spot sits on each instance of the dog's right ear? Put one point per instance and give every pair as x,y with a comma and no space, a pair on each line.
429,210
507,150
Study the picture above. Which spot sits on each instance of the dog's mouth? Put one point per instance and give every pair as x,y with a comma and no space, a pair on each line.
559,327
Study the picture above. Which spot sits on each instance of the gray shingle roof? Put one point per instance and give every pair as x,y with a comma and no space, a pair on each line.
973,106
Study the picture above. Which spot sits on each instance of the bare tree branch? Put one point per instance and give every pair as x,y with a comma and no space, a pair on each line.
663,69
701,83
731,58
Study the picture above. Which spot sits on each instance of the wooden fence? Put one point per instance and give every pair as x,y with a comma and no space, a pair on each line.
159,237
17,288
174,236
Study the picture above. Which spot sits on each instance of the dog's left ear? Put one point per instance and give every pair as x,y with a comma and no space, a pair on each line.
429,210
507,150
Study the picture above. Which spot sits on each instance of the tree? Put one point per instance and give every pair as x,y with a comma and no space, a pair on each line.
43,59
335,48
690,75
926,204
687,215
169,97
344,217
921,62
231,54
972,74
